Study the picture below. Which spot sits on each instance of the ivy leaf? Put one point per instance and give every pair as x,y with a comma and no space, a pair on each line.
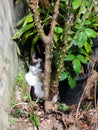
76,65
76,4
64,76
71,82
81,58
81,39
90,32
70,57
58,30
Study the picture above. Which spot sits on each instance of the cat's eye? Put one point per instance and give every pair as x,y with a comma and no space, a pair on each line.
33,64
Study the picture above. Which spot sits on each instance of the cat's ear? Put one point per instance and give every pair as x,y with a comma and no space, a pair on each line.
33,56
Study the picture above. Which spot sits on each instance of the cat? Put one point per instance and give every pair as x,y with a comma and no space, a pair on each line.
34,77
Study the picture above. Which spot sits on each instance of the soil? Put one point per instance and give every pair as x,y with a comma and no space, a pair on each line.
25,114
22,116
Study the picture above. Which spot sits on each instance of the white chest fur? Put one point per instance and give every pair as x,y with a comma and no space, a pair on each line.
33,80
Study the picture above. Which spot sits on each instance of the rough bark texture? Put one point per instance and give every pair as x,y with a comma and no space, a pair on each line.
48,41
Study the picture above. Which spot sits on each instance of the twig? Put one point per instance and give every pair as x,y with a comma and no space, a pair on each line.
82,96
20,103
95,100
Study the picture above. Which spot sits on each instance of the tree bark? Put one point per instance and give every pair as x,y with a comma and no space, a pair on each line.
47,40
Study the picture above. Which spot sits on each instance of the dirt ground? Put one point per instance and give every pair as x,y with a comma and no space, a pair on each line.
29,115
25,114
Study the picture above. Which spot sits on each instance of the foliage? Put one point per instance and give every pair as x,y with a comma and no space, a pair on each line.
18,112
84,23
62,107
80,45
12,120
27,98
36,121
21,81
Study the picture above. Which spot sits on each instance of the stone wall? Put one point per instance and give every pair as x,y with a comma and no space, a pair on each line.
8,57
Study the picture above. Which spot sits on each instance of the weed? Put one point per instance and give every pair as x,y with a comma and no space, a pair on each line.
12,120
21,80
36,121
27,98
55,128
62,107
18,112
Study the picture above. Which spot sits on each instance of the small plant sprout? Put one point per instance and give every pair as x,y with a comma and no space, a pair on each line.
62,107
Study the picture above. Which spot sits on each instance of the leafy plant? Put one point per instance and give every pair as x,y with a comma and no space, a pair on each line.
79,40
67,37
18,112
21,81
27,98
62,107
12,120
36,121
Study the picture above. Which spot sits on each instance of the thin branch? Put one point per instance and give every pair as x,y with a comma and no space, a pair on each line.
37,20
53,23
47,39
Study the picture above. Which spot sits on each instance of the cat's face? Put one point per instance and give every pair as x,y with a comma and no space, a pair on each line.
36,66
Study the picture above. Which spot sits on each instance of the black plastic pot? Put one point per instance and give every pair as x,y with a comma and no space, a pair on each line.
95,46
72,96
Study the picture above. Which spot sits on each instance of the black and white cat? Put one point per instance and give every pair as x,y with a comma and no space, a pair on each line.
34,77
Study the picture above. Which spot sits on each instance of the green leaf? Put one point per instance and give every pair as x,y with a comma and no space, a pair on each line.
63,0
71,82
82,51
23,19
58,30
18,51
64,76
81,39
36,120
76,65
22,30
62,107
70,57
87,22
90,32
88,48
77,26
26,35
55,38
35,39
85,2
76,4
28,20
81,58
83,9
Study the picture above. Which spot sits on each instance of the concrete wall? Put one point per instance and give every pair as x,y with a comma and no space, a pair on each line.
8,57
